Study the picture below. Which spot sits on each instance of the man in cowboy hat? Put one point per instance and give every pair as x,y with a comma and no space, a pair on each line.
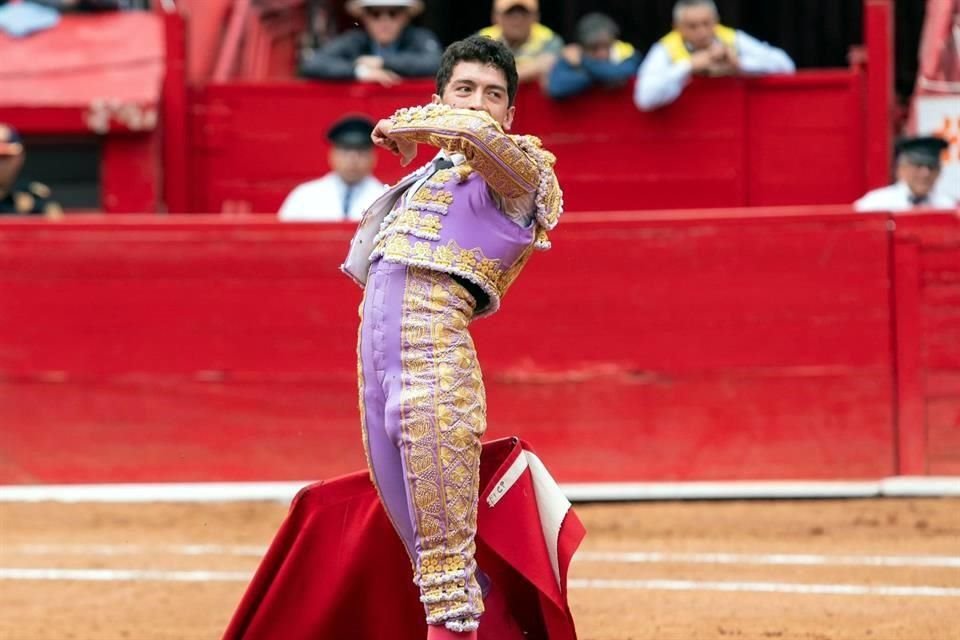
387,49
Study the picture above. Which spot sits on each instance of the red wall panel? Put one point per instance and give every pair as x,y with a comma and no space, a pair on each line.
708,346
725,143
929,356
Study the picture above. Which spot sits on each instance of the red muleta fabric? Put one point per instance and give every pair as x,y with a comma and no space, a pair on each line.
336,569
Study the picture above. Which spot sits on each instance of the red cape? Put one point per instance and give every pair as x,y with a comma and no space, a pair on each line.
337,570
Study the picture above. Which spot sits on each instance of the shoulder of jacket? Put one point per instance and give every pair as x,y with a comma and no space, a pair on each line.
541,34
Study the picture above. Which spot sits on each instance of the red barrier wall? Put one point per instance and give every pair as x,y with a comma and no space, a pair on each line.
727,345
725,143
927,289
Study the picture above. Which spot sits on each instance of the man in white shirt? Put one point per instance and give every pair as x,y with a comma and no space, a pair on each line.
918,167
345,192
700,45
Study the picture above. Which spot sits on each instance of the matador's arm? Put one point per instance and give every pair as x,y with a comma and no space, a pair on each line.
492,153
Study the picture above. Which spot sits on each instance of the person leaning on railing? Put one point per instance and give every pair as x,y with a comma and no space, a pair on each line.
700,45
385,50
597,58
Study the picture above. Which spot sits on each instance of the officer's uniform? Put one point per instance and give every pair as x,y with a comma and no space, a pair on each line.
330,198
920,151
29,198
25,197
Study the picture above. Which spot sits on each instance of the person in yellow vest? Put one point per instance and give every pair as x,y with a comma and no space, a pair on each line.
535,47
700,45
597,58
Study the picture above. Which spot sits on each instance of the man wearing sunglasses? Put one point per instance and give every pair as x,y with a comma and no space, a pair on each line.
387,49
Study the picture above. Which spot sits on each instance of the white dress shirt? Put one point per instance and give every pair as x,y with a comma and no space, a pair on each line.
660,80
896,197
323,200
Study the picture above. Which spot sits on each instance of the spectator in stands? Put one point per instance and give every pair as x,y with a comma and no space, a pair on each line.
597,58
534,46
20,196
918,167
700,45
349,188
387,49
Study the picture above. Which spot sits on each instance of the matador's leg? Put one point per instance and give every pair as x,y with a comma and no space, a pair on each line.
382,302
434,415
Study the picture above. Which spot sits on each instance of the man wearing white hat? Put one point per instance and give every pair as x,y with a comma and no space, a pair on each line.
385,50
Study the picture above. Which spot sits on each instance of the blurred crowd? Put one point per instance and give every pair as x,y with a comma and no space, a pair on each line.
387,44
386,47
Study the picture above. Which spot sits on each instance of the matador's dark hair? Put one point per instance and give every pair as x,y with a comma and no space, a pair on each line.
485,51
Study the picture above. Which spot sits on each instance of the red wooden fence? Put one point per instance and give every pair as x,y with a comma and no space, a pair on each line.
726,142
745,344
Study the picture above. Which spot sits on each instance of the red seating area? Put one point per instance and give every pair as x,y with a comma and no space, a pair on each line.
736,344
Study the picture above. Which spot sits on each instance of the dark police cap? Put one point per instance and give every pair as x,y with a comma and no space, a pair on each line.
922,150
11,144
352,132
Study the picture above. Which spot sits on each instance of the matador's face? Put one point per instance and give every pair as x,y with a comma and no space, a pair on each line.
481,87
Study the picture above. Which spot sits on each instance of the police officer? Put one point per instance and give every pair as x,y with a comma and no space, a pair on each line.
345,192
18,196
918,167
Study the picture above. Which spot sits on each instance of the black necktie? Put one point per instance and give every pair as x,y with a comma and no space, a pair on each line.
917,200
441,163
347,197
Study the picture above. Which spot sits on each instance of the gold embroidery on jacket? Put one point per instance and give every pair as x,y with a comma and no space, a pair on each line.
489,273
416,223
475,134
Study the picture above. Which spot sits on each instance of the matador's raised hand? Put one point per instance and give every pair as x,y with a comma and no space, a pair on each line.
381,137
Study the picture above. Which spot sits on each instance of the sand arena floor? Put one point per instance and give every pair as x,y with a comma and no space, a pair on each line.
805,570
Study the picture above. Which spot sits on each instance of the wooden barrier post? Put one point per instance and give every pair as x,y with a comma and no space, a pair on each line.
175,107
878,34
908,376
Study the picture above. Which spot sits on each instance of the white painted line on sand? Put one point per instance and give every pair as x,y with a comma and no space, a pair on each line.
122,575
138,575
154,492
614,557
801,559
202,492
766,587
256,551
